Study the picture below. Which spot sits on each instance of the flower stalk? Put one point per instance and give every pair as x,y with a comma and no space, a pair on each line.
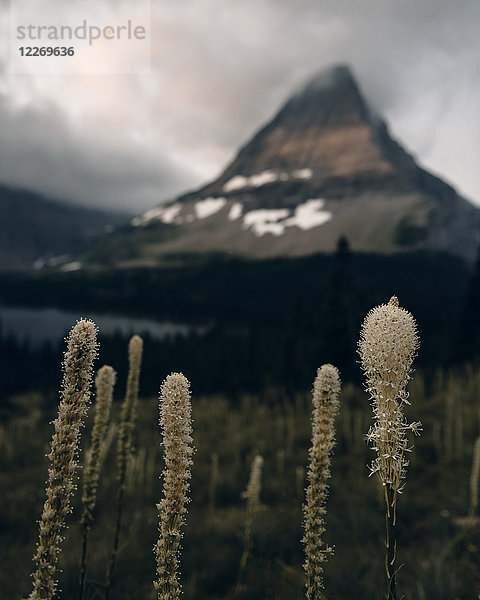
74,398
326,390
104,383
252,494
124,444
176,427
388,344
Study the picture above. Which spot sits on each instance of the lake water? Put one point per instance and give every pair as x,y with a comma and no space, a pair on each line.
40,325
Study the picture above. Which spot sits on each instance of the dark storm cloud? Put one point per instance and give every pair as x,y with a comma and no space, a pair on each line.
220,69
40,150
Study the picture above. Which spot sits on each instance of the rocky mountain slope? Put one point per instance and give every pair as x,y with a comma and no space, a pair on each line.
35,231
324,167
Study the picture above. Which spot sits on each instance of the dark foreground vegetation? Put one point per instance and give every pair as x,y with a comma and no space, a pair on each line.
269,326
275,424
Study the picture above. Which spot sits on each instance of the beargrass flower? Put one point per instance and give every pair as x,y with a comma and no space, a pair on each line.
176,427
74,398
388,344
326,391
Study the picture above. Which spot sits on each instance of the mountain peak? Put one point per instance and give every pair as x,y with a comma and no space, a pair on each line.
322,168
329,99
331,77
335,80
326,126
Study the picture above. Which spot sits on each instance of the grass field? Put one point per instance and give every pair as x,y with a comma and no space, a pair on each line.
431,511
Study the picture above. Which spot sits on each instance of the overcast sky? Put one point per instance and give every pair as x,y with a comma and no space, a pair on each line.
220,68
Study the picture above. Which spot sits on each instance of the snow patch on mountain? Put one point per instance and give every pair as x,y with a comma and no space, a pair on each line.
309,215
266,221
236,183
208,207
263,178
235,212
257,180
170,213
166,214
302,174
147,217
306,216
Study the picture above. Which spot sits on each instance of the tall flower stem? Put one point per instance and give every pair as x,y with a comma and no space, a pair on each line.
390,544
75,393
104,383
252,494
124,445
388,344
176,426
326,390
